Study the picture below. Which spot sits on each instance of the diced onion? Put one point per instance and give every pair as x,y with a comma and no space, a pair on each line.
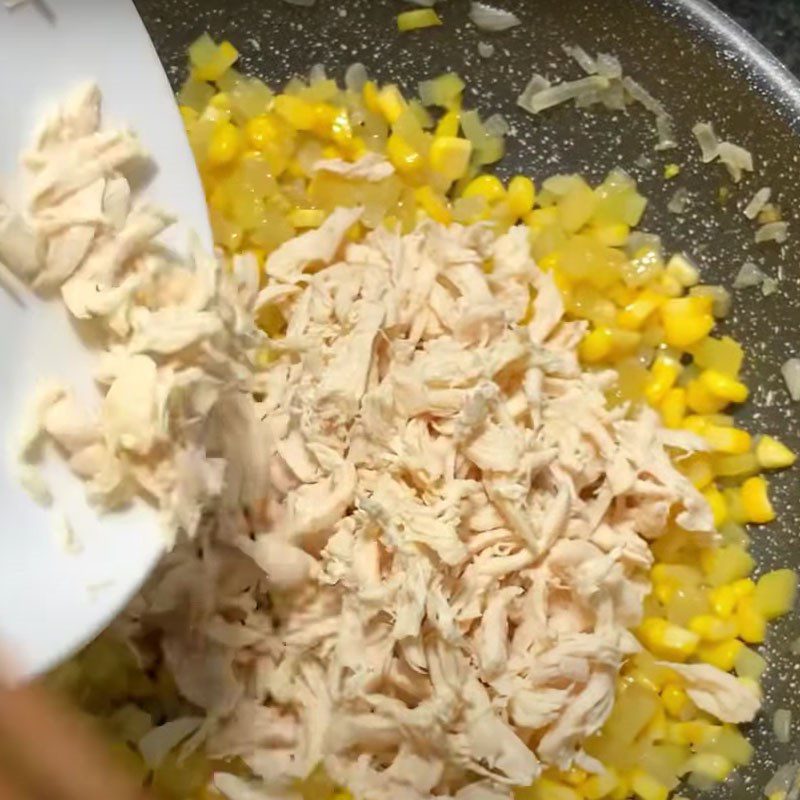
538,83
497,125
791,374
608,66
303,3
489,18
678,202
562,92
782,725
721,301
317,73
783,779
773,232
794,647
707,139
666,133
749,275
485,49
355,77
423,3
641,95
735,158
583,59
770,286
759,200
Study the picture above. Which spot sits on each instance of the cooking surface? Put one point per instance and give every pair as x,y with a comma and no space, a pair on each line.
697,80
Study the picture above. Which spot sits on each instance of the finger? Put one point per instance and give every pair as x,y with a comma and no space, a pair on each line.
10,790
56,750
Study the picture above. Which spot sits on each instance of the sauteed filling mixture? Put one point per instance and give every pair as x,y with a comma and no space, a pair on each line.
465,503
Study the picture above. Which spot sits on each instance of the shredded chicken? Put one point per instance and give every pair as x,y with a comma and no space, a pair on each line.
424,533
177,334
435,596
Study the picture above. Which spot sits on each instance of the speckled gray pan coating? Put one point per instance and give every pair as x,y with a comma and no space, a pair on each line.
690,57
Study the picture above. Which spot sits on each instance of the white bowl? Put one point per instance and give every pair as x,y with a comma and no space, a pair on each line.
53,601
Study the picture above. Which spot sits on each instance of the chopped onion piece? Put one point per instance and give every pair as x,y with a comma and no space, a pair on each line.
791,374
707,139
355,77
608,66
770,286
584,60
485,49
304,3
641,95
759,200
720,299
423,3
782,725
794,647
562,92
736,159
749,275
497,125
489,18
317,73
782,780
678,202
773,232
666,133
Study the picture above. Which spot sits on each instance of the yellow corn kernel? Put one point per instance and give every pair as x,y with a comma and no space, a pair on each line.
489,187
339,128
521,195
307,217
391,103
664,591
541,218
414,20
598,786
624,342
449,124
646,787
692,732
433,204
779,794
755,500
718,505
726,564
261,131
450,156
724,386
671,171
711,765
673,407
680,268
722,654
751,622
728,440
668,286
775,593
711,628
697,468
370,96
596,345
299,113
402,155
743,587
772,454
675,700
663,374
700,400
636,313
686,320
574,776
667,640
723,600
225,145
547,789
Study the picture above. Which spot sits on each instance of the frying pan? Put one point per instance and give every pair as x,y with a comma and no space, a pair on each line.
701,65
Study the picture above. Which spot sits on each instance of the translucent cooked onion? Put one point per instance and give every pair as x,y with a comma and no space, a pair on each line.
782,725
583,59
608,66
749,275
355,77
563,92
770,286
791,374
773,232
736,159
497,125
707,139
489,18
679,201
485,49
538,83
756,205
666,133
782,780
641,95
304,3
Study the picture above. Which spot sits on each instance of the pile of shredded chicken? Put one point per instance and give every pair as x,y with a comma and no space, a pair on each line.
427,539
